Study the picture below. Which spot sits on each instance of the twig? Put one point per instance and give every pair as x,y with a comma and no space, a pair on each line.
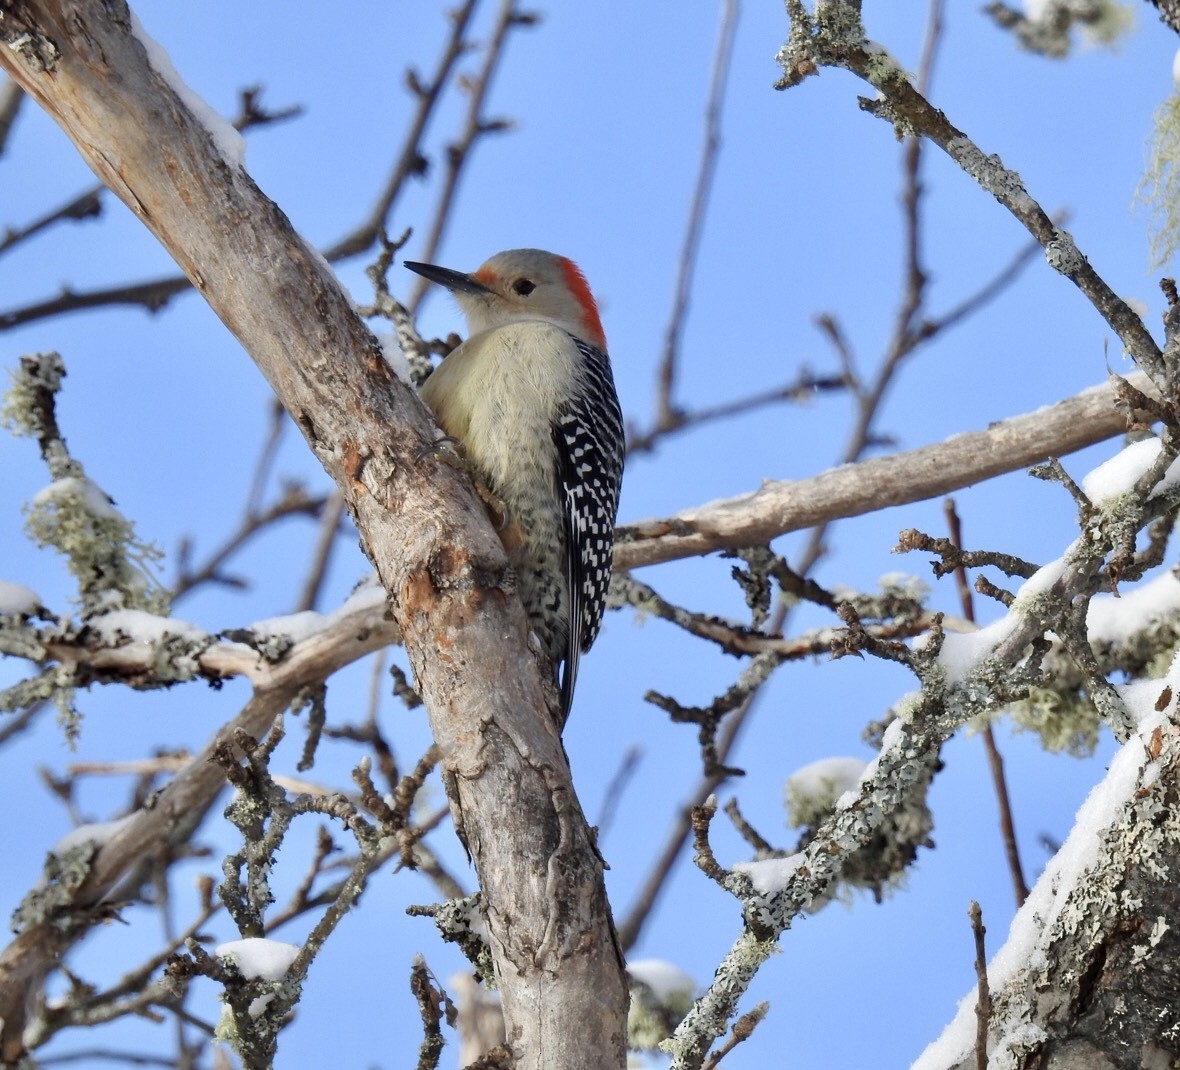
983,1004
906,337
152,296
804,387
954,559
330,516
742,1030
88,203
11,98
410,160
431,1001
990,290
751,835
15,724
740,641
670,417
376,689
709,718
645,901
995,760
85,206
668,413
474,127
155,294
900,103
615,789
111,1055
295,502
266,456
706,862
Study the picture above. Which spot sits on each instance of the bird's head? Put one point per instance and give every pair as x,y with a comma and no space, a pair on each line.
522,284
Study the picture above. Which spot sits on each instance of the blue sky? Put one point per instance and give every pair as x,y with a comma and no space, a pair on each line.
607,100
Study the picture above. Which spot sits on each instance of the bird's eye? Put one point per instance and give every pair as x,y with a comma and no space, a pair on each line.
524,287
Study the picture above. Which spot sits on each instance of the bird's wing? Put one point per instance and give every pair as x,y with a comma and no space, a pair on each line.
588,432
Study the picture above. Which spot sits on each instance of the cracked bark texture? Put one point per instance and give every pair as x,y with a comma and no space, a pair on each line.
421,524
1099,988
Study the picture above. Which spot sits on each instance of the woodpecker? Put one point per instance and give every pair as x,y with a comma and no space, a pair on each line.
531,400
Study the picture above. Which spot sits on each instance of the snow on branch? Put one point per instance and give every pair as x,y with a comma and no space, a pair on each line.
776,508
1097,899
963,677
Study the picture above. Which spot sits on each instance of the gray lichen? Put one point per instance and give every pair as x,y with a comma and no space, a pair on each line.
112,565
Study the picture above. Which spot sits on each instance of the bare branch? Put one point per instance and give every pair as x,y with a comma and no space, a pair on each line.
294,502
85,206
475,126
330,517
809,47
995,761
668,413
88,203
151,296
804,387
155,294
774,509
983,1005
11,98
410,160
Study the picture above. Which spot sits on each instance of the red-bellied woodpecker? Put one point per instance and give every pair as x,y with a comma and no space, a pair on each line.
531,400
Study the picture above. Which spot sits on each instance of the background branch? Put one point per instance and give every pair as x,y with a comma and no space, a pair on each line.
776,508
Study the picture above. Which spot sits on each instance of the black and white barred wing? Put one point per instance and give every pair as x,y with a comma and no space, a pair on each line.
589,436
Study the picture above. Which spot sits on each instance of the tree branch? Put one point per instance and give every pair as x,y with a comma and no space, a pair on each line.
753,519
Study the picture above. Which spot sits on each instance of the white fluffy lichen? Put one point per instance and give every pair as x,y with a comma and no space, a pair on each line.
1159,188
113,566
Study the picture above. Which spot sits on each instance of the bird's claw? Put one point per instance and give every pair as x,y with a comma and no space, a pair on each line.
449,451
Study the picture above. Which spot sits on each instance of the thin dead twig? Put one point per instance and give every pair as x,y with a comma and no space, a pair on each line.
983,1005
474,127
11,98
995,760
154,294
668,414
410,160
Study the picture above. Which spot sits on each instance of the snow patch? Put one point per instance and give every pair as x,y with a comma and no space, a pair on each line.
664,979
1050,894
140,626
259,959
962,651
828,776
97,833
1111,619
16,600
1118,475
226,139
1145,699
770,875
369,595
396,359
95,500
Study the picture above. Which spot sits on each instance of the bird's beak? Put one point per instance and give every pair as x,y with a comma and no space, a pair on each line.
455,281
